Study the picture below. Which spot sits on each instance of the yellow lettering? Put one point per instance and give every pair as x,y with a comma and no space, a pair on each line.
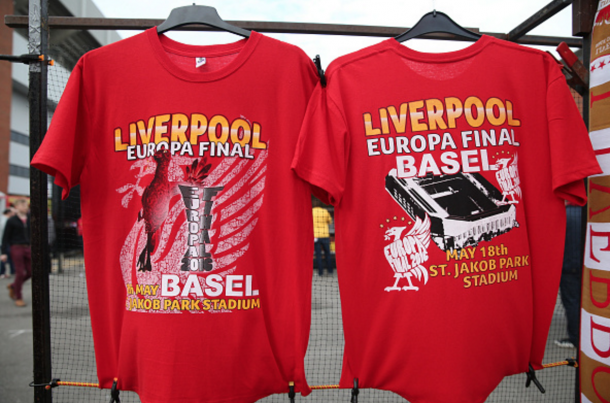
452,255
161,128
383,118
463,254
132,134
454,110
180,124
199,125
399,121
435,114
470,118
489,110
256,137
509,110
240,132
145,132
368,126
215,122
416,116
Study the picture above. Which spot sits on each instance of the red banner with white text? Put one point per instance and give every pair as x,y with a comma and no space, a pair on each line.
595,312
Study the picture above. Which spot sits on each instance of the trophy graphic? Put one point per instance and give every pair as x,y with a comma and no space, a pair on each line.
199,221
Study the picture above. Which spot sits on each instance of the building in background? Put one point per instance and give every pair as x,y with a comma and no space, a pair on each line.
66,47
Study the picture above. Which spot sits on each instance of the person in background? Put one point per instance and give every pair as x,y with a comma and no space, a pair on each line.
571,273
4,266
321,221
51,239
17,236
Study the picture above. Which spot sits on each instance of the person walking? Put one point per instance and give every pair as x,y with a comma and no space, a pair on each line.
571,274
4,266
17,236
321,221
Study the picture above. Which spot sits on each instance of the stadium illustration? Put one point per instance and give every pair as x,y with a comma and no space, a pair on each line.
464,208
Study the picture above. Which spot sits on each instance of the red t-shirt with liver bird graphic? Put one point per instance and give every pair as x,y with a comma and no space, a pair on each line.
448,173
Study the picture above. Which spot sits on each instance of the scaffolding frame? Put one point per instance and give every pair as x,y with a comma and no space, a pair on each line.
39,24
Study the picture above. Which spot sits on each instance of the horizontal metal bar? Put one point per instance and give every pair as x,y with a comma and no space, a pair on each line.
538,18
18,21
548,40
26,58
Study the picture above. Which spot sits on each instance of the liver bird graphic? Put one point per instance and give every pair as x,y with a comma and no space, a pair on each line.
406,255
156,199
508,179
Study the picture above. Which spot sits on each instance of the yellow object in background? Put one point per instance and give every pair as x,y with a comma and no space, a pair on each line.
321,220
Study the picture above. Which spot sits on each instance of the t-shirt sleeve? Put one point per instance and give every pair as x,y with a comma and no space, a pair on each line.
572,156
63,151
322,151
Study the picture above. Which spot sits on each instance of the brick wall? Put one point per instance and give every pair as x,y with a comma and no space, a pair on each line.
6,91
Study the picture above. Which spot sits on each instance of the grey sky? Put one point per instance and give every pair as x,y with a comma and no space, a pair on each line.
487,15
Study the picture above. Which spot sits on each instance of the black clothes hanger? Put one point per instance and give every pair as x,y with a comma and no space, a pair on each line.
203,15
318,62
435,21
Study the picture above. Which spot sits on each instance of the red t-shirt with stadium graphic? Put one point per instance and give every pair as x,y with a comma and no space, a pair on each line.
197,234
448,173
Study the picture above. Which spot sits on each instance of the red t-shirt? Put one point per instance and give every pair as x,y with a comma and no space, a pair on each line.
448,174
197,234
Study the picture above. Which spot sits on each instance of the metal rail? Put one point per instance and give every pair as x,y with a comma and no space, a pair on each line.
18,21
538,18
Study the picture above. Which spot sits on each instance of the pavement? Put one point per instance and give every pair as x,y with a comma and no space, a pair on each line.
73,358
16,356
